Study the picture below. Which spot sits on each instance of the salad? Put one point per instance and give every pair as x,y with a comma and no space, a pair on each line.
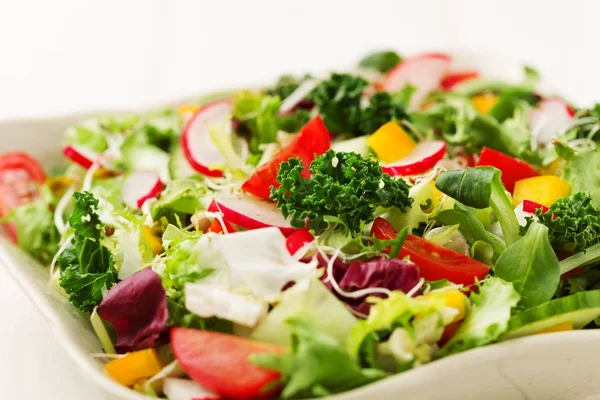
320,234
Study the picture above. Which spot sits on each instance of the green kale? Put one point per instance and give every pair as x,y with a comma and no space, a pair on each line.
573,223
382,61
294,121
317,365
86,266
383,108
342,186
338,100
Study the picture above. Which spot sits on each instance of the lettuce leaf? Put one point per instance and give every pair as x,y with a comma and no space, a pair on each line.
317,365
488,318
180,199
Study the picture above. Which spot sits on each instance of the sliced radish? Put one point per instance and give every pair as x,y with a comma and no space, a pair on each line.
81,156
196,142
250,213
549,119
185,389
297,96
424,72
454,78
297,242
531,206
140,186
421,159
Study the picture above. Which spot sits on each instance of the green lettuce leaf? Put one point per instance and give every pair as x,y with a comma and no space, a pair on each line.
316,366
488,318
583,173
382,61
258,113
181,198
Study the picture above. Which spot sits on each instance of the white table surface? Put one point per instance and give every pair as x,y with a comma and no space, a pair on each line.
61,56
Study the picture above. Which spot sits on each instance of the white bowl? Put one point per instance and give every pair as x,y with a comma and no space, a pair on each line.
557,366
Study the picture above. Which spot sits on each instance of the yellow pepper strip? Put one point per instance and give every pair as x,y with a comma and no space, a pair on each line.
187,109
391,142
564,326
456,299
153,242
544,190
484,102
550,169
58,185
134,367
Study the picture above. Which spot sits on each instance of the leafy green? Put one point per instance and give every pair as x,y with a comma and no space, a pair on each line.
471,228
316,366
488,318
342,185
258,113
573,222
338,101
383,108
180,199
418,213
86,267
531,265
294,121
286,85
583,173
590,256
36,231
382,61
481,187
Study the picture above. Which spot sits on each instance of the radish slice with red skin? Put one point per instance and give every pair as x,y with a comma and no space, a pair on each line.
531,206
298,240
421,159
250,213
140,186
549,119
196,142
80,156
424,72
455,78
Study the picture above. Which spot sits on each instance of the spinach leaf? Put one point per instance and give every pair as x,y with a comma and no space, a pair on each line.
531,265
481,187
382,61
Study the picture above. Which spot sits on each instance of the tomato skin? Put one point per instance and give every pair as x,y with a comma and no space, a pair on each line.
216,227
435,262
219,363
312,139
512,168
298,239
449,332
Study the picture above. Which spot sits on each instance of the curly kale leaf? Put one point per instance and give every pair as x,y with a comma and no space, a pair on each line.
86,266
573,222
338,100
343,186
383,108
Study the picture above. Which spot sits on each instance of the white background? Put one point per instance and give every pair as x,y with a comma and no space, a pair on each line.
61,56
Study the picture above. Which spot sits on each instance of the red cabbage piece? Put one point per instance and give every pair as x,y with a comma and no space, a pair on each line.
382,272
137,308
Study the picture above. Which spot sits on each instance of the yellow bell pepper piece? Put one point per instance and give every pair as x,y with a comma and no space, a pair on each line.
391,142
564,326
544,190
134,367
456,299
484,102
187,109
153,242
551,169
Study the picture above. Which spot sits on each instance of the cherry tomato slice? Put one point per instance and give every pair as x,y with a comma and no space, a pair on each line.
512,168
435,262
312,139
219,363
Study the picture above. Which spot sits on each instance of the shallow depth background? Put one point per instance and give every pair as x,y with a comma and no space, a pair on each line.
62,56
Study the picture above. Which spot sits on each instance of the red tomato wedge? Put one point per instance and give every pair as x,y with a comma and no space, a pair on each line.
20,175
435,262
454,78
298,240
512,169
219,363
312,139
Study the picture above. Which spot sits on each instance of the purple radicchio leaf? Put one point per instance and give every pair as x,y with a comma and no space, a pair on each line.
392,274
137,308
